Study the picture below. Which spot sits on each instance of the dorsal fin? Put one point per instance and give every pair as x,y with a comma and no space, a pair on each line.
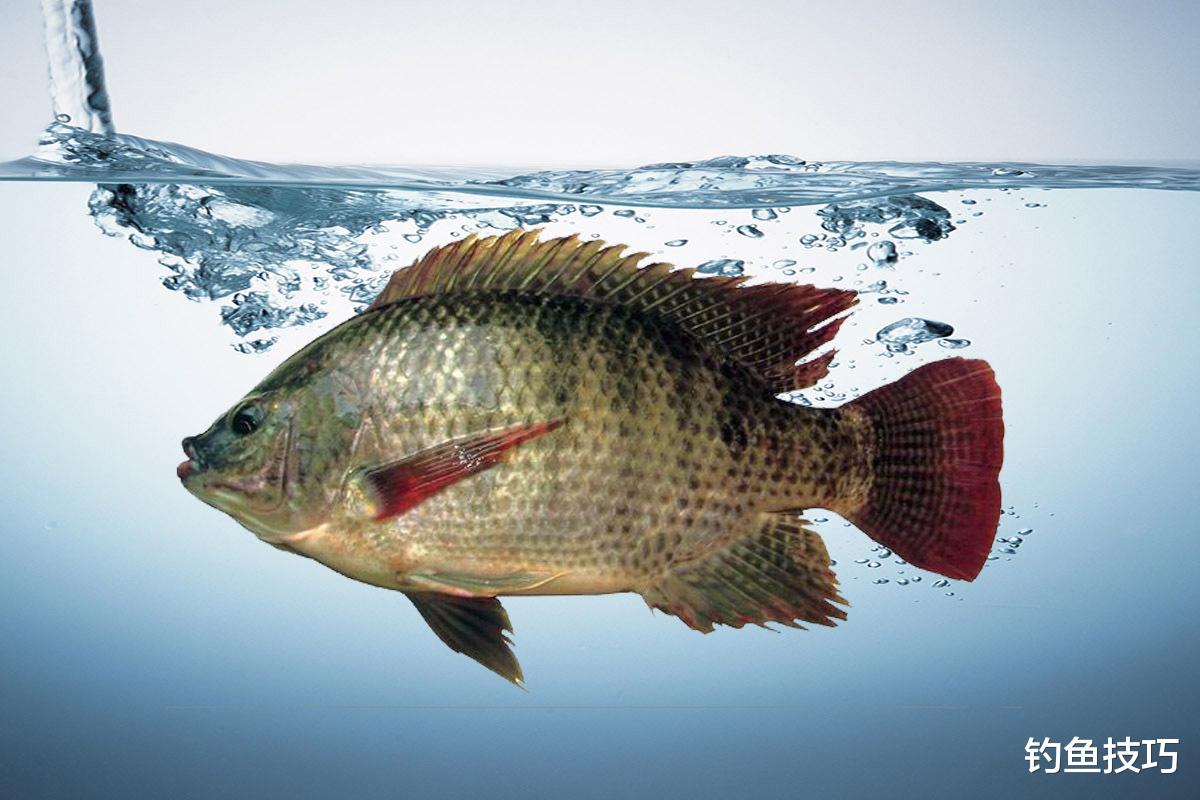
767,328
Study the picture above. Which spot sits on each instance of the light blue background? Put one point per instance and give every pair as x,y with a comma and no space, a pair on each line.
154,648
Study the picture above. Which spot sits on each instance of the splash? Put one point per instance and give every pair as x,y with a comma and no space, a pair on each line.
273,244
77,87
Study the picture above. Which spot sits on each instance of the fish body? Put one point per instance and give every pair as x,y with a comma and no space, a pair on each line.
522,417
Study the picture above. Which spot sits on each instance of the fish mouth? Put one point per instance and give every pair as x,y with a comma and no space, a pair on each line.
237,495
234,497
193,473
190,467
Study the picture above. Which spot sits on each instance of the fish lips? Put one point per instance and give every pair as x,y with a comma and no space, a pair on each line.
190,467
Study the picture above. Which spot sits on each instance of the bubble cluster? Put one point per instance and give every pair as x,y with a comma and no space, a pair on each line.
902,335
254,311
287,239
255,345
725,267
907,217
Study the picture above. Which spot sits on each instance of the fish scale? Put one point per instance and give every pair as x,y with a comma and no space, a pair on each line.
513,416
624,413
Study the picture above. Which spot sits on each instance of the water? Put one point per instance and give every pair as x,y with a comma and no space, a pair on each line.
152,647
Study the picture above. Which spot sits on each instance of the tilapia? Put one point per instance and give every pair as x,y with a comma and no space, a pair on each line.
514,416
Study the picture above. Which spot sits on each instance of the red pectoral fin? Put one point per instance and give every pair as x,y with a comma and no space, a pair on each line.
400,485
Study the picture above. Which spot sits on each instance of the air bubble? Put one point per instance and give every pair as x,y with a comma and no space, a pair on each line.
725,267
882,253
911,331
255,345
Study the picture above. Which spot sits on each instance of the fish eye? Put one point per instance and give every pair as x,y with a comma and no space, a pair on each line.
246,420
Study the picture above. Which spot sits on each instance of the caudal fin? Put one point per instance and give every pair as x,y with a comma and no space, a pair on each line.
935,466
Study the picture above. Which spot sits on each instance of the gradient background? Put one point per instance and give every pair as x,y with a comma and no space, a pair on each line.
151,647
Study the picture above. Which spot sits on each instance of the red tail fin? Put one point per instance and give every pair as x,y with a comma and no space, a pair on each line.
939,443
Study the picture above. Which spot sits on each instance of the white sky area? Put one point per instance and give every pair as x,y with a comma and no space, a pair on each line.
575,83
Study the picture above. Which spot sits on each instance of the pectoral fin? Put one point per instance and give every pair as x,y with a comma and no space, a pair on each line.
398,486
473,626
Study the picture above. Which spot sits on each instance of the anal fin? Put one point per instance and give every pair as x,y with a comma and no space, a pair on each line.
473,626
779,572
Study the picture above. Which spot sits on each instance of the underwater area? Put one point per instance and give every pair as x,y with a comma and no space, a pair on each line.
153,647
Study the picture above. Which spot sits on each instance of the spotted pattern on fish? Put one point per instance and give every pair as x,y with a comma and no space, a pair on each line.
522,417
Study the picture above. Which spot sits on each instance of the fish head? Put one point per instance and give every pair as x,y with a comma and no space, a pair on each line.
247,464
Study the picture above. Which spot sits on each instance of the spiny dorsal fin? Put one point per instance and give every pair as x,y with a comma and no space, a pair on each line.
768,328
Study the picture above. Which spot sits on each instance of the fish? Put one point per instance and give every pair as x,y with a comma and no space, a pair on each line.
517,416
